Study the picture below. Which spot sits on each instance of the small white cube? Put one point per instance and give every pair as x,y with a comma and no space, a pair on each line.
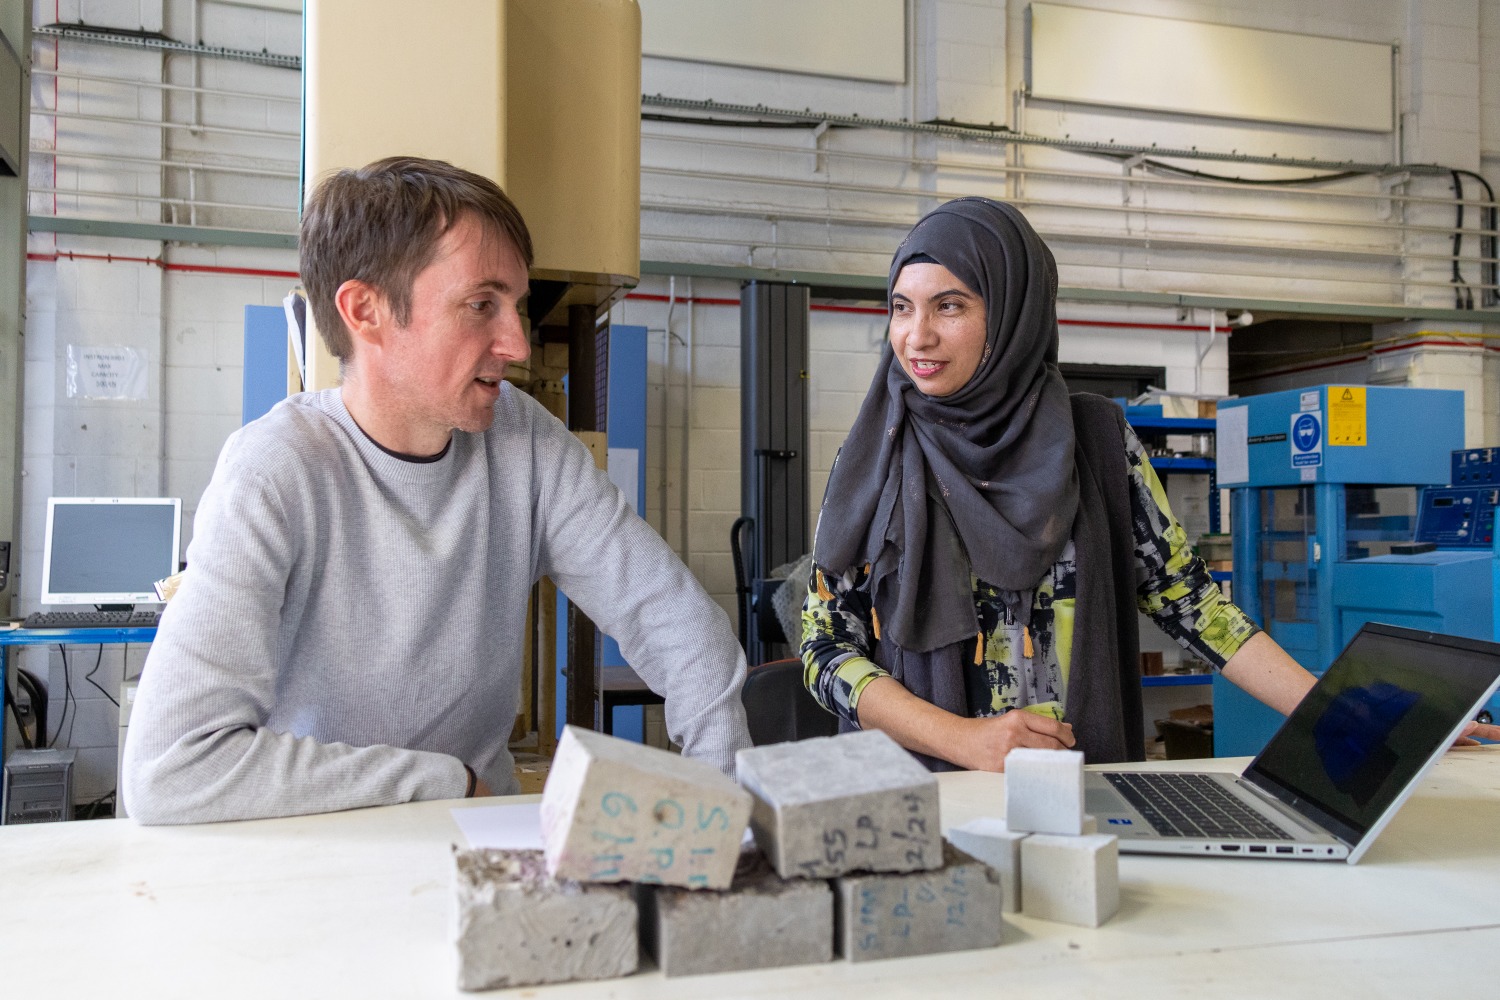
1044,791
989,840
1073,880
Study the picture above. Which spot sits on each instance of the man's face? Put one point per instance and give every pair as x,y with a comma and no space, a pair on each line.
442,370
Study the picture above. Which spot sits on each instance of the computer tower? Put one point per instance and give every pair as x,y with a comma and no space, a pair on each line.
39,786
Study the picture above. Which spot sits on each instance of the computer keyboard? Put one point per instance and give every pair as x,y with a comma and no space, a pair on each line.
91,619
1192,805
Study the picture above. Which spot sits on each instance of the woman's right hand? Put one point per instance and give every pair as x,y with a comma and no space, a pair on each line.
989,739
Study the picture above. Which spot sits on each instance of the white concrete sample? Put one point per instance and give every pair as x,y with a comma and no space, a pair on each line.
1044,791
616,811
888,915
1073,880
761,921
517,925
989,840
837,804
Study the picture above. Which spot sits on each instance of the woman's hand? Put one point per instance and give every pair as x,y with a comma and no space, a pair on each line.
1476,731
988,740
977,744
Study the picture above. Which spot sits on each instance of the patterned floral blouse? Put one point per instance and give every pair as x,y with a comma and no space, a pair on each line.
1028,668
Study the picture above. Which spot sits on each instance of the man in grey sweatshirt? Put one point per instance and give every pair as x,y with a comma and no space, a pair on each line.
350,628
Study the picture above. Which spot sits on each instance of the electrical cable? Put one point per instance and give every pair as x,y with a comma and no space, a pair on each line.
656,116
1463,296
1001,130
90,810
1168,168
15,713
38,696
90,677
1489,243
68,700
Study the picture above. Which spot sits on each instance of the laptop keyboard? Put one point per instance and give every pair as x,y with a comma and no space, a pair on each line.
1192,805
91,619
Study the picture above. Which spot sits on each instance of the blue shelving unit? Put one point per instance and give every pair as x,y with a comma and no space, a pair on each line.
1176,680
61,637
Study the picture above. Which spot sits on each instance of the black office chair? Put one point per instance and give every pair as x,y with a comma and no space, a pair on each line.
779,708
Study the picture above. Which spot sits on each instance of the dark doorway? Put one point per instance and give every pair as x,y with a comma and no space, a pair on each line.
1114,381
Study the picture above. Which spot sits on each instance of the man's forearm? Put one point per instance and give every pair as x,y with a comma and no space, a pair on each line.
241,773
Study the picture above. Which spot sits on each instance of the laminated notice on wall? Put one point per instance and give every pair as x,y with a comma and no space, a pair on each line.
114,372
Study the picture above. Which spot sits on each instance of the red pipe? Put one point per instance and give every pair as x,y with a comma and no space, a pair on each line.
1355,358
879,311
165,265
253,272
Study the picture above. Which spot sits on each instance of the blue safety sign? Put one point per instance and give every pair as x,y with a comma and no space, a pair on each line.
1307,439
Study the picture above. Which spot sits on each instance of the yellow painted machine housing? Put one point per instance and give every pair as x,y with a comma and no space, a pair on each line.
543,96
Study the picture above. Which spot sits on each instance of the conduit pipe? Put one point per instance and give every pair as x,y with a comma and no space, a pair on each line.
666,396
687,429
165,265
882,311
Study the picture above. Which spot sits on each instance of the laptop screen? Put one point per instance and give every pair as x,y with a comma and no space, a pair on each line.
1374,720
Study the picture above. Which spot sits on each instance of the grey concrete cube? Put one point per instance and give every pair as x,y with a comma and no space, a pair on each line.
761,921
614,811
1073,880
838,804
516,925
955,908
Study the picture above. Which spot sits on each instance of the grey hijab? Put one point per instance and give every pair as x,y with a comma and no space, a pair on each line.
928,490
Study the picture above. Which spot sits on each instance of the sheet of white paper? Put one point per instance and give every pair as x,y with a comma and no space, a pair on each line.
625,472
512,827
1233,445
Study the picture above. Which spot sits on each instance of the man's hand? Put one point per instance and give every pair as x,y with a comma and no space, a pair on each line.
1476,731
481,790
988,740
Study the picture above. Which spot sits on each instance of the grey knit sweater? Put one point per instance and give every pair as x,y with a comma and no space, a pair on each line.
350,629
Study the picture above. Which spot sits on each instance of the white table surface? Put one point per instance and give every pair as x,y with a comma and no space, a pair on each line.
359,904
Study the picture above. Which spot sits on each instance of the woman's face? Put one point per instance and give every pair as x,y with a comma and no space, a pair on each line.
937,328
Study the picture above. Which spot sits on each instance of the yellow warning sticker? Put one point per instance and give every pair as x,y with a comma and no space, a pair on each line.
1346,415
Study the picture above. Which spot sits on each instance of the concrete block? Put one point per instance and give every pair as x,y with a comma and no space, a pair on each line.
1044,791
516,925
955,908
762,921
989,840
1073,880
837,804
614,811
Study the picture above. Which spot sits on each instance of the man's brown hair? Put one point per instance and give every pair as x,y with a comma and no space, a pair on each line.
381,224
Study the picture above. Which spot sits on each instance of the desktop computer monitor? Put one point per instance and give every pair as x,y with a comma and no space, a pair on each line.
109,550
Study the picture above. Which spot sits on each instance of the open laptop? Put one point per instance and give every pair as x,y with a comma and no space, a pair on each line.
1335,772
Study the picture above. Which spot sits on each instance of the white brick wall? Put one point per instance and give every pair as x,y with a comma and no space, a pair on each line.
966,64
844,349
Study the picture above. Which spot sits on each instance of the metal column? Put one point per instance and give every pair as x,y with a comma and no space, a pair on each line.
773,446
588,392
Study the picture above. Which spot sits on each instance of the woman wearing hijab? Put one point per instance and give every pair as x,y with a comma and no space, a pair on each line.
986,539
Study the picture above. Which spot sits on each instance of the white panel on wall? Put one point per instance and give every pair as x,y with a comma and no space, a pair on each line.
1191,67
858,39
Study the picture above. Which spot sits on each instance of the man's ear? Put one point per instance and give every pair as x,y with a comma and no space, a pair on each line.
365,311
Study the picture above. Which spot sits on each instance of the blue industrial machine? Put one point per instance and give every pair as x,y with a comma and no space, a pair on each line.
1336,522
